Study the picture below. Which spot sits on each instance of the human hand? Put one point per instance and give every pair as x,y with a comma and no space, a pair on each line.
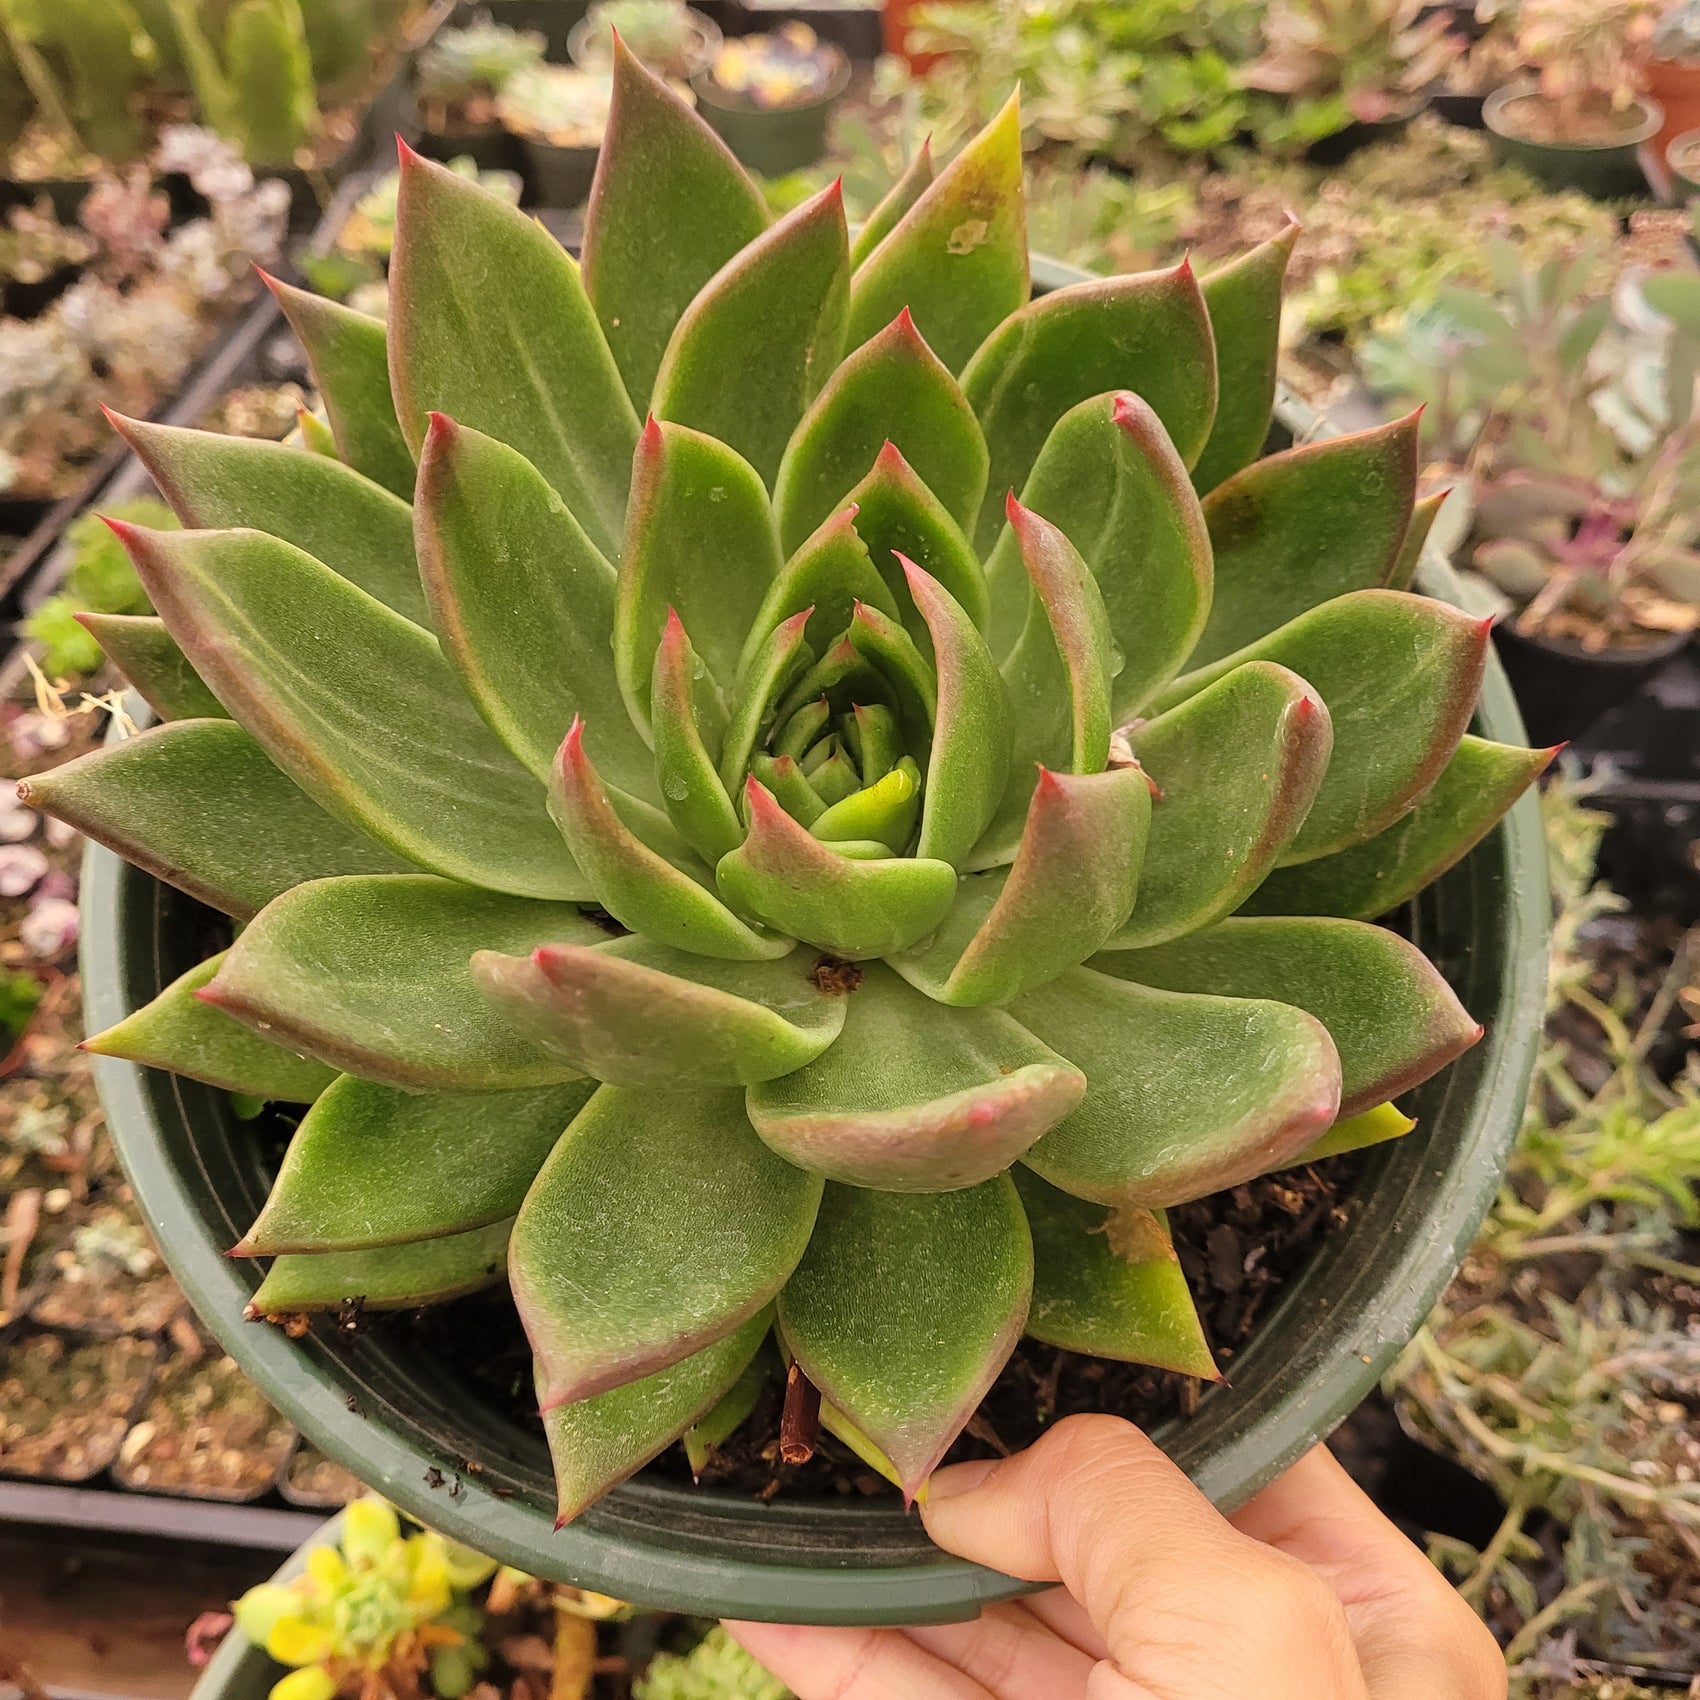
1305,1593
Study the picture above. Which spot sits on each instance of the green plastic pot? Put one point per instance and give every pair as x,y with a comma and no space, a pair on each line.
393,1416
773,141
1605,170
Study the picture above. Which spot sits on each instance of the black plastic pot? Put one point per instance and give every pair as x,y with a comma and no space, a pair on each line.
390,1411
553,18
28,300
64,194
1339,147
489,147
774,140
556,177
1564,689
1605,170
857,29
1462,110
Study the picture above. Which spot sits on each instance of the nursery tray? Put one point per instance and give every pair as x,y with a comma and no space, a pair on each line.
263,1528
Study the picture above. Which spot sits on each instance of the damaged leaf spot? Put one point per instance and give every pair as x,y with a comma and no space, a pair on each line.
833,978
969,235
1136,1236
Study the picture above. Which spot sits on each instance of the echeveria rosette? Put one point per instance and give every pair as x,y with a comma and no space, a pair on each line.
779,787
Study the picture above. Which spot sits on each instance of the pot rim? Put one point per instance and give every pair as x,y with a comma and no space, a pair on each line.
709,37
1662,649
1683,139
1493,110
711,93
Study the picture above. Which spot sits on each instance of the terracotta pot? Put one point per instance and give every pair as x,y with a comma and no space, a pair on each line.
899,15
1675,85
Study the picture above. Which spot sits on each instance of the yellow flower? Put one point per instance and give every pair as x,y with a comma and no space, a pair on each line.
312,1683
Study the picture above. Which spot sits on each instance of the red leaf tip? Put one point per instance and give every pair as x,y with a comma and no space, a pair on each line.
1013,509
1049,783
650,442
1184,269
1552,752
905,323
405,155
124,530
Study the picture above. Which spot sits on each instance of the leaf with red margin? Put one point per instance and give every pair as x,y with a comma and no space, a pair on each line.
688,723
763,698
957,259
1148,332
669,206
893,385
1185,1095
854,909
1071,886
1466,803
708,1226
1296,529
391,1277
1393,1018
916,179
890,650
489,324
913,1097
641,889
762,335
632,1012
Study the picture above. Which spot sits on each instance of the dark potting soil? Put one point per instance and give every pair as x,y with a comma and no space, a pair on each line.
1237,1248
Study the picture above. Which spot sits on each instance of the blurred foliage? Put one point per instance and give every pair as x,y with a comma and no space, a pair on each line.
717,1668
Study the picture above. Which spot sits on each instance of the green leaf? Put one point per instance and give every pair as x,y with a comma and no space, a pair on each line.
913,1097
177,1031
396,1277
896,514
957,259
905,1308
796,796
972,736
1236,769
1399,676
891,389
915,180
1393,1018
1071,886
709,1225
596,1443
894,655
1295,529
1357,1133
140,647
1244,302
668,208
1148,332
884,812
349,356
639,887
372,724
688,723
729,1412
700,540
489,324
373,976
1185,1095
216,482
196,803
854,909
1467,801
523,604
1423,516
1110,480
761,337
373,1166
632,1012
1108,1283
764,687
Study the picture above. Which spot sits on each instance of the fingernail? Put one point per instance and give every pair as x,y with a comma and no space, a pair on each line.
959,1479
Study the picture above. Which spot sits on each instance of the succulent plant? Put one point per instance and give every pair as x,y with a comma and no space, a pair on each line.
559,104
722,855
95,55
670,37
256,86
1588,53
475,63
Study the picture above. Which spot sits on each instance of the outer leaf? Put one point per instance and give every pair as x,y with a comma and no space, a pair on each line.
1357,1133
373,725
700,540
599,1290
371,1166
598,1442
1109,478
958,257
641,889
349,356
1072,885
217,482
1295,529
397,1277
893,386
1148,332
1399,676
972,735
1185,1095
916,179
1236,769
688,723
196,803
855,909
1467,801
140,647
913,1097
1244,301
1109,1284
763,335
904,1309
489,324
523,603
668,208
178,1032
1391,1014
636,1013
1423,516
372,976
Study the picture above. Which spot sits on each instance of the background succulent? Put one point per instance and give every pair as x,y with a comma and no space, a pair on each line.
863,759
